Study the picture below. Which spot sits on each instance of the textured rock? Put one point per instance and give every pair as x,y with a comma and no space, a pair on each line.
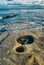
14,53
3,36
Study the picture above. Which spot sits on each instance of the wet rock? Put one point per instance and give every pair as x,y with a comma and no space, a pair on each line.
9,16
3,36
2,30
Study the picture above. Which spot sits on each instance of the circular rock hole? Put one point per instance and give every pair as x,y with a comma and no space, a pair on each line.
20,49
26,39
30,56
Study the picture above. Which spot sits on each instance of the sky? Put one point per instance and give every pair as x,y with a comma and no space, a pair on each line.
21,1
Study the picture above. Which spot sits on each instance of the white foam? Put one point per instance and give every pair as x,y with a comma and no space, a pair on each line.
0,17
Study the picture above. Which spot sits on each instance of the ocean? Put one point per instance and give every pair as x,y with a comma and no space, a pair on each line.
32,16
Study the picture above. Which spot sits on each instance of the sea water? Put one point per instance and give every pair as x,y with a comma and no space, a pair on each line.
32,16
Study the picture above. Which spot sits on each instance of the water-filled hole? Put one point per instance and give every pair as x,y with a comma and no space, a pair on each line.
26,39
20,49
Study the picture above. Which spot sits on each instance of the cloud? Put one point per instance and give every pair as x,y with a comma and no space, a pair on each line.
20,1
9,1
29,1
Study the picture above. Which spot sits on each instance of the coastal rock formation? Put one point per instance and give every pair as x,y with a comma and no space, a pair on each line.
23,46
3,36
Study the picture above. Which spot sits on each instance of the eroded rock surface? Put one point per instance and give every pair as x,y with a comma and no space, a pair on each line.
13,52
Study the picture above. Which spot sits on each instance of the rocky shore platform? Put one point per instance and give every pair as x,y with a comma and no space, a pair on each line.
21,44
